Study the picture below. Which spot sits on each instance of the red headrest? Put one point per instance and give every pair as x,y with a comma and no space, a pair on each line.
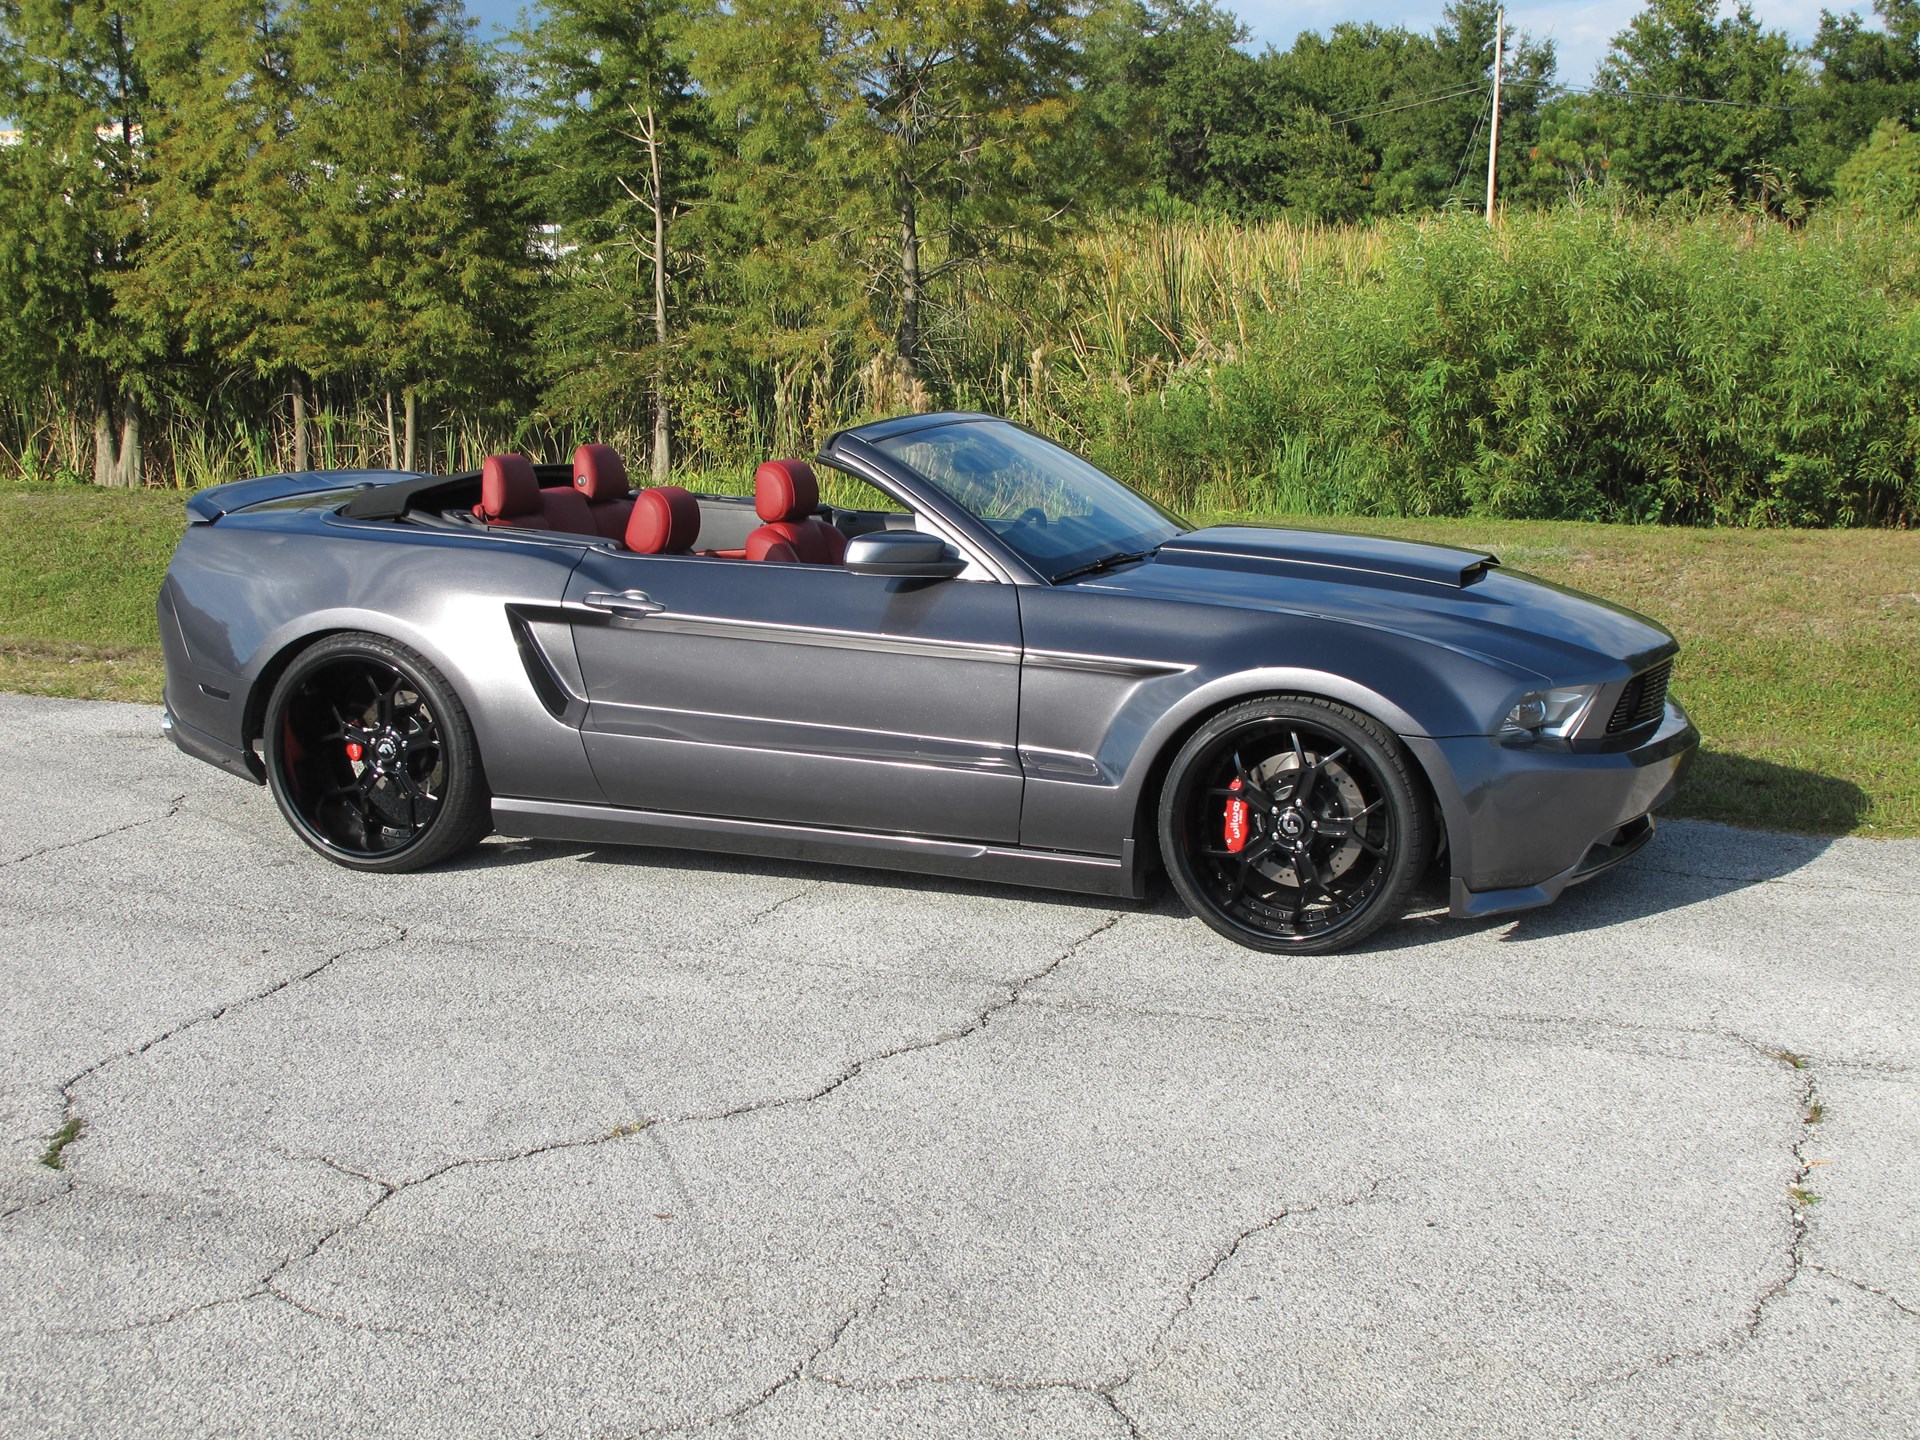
665,521
599,473
785,490
508,487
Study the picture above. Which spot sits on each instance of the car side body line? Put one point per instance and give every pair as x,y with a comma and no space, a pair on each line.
1108,875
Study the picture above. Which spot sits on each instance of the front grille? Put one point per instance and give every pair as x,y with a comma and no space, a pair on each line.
1644,699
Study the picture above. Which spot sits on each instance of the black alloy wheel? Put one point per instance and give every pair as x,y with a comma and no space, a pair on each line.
1294,825
371,758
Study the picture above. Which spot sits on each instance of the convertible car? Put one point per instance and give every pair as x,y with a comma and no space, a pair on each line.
1007,666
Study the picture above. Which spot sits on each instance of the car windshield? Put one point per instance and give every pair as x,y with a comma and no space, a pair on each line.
1056,511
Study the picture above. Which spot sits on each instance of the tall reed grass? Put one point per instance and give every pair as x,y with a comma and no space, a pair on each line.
1579,363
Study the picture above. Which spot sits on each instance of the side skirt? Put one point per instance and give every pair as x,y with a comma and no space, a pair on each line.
1003,865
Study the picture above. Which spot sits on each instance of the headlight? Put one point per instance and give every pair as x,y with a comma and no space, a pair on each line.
1550,712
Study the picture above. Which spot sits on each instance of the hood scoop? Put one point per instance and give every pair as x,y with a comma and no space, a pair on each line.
1244,546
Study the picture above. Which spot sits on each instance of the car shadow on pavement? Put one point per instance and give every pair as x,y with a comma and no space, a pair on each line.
498,853
1687,862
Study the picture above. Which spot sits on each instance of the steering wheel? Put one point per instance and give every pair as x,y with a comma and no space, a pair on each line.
1033,515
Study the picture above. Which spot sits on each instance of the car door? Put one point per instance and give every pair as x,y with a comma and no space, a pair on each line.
802,693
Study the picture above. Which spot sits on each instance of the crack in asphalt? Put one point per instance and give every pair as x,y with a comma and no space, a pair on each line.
1223,1257
791,1376
1887,1295
1013,991
1292,1014
782,903
1105,1389
173,808
391,1189
346,1322
1799,1201
70,1107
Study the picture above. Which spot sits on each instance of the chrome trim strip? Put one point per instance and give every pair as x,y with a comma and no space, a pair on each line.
1103,664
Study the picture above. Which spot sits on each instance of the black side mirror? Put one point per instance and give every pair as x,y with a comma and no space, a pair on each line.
903,552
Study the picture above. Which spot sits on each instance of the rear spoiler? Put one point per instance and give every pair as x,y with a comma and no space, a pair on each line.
209,505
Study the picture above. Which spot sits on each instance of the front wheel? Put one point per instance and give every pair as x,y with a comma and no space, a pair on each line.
1293,825
371,758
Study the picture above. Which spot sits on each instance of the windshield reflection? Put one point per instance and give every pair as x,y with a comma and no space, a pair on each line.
1053,509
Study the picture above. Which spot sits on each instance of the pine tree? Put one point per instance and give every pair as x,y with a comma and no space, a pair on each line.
920,135
74,88
619,145
417,262
222,271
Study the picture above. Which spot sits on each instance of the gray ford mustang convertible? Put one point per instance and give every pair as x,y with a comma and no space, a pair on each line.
1012,668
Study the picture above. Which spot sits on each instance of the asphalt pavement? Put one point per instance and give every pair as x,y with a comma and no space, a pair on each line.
574,1141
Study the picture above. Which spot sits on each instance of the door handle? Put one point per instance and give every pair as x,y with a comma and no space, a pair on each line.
623,602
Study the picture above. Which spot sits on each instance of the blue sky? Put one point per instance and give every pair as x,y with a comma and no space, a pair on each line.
1581,28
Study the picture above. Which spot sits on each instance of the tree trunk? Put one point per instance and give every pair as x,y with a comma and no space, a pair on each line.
106,459
299,423
662,432
907,339
132,458
393,458
412,403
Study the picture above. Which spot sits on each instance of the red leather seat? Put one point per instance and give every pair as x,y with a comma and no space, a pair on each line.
510,494
785,495
600,475
666,521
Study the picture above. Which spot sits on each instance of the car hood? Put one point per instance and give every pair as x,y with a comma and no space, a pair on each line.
1461,599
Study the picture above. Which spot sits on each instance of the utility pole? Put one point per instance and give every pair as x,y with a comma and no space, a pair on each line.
1493,132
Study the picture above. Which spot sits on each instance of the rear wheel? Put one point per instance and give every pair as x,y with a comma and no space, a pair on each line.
371,758
1293,825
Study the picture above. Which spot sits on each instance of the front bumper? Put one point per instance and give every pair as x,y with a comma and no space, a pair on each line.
1525,821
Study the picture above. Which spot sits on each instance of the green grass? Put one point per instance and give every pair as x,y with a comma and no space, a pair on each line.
58,1141
1800,660
1800,654
79,571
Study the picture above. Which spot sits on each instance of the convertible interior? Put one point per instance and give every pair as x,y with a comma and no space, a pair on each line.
783,521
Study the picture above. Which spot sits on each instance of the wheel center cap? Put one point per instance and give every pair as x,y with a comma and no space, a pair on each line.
385,749
1292,824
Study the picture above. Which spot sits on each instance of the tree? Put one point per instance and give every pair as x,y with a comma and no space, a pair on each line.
1431,148
1882,177
1730,133
619,143
1866,76
919,133
1168,91
416,254
74,86
222,273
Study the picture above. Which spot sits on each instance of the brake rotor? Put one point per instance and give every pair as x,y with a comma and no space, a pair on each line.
1337,795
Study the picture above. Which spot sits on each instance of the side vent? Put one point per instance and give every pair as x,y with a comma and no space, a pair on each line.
553,695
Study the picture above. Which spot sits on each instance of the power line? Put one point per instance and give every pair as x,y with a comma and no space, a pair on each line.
1651,95
1460,170
1436,99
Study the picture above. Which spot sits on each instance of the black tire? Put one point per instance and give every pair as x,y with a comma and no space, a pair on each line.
1305,867
371,758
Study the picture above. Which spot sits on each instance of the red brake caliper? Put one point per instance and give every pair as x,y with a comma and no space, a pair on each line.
1236,821
354,752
